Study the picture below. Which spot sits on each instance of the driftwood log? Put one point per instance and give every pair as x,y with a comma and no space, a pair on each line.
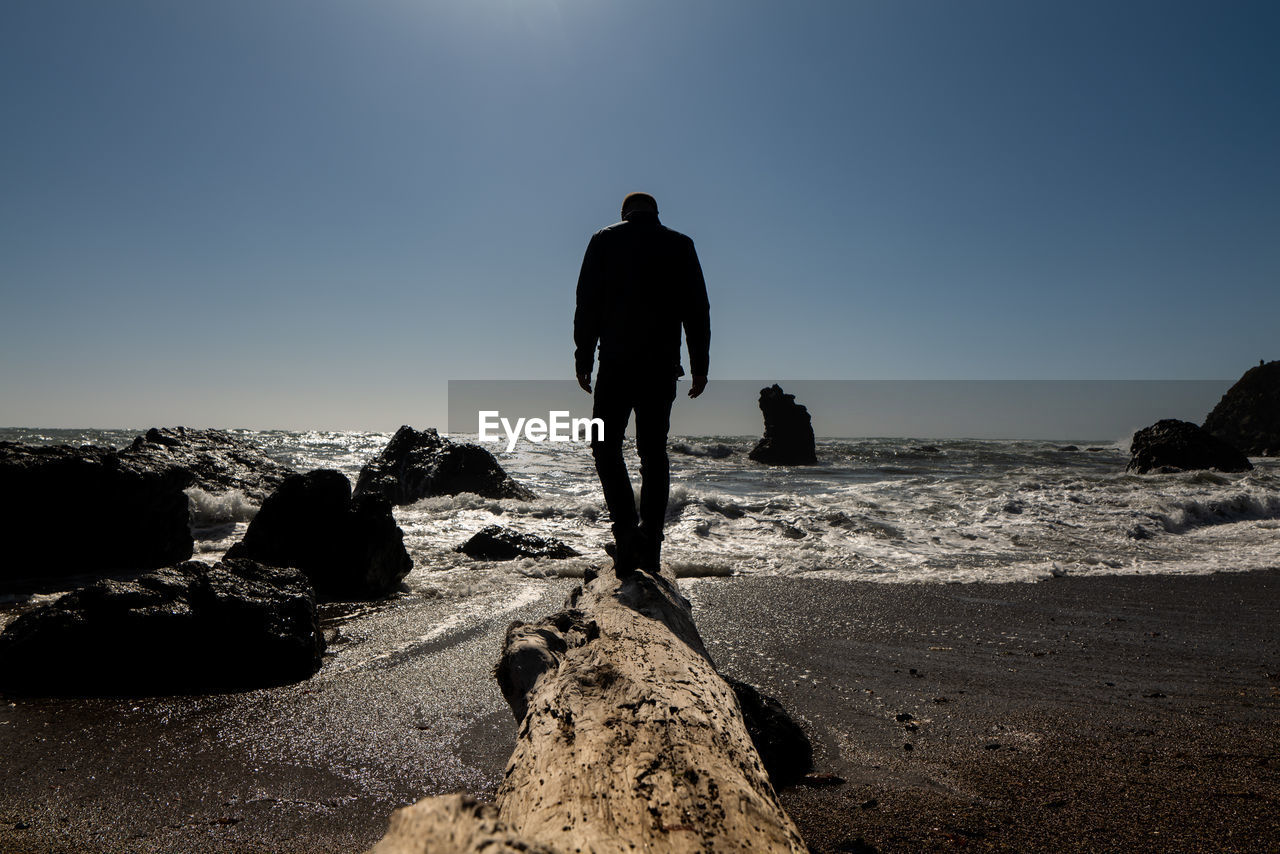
629,741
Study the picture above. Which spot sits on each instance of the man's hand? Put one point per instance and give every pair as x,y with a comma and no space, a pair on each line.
699,383
584,380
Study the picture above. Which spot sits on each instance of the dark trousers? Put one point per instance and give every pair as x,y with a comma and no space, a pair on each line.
617,394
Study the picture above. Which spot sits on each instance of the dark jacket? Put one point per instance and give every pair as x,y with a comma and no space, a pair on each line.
640,283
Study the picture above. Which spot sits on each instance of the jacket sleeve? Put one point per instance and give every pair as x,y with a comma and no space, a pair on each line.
697,317
586,318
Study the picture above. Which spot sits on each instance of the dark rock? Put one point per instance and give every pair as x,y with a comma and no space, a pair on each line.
714,452
498,543
927,449
903,717
416,465
348,548
1069,448
1172,445
66,511
783,746
189,628
788,431
213,460
1248,416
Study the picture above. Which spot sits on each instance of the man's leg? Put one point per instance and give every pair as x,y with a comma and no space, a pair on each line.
612,405
653,422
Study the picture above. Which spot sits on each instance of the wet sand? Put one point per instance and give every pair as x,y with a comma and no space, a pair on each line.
1077,714
1091,714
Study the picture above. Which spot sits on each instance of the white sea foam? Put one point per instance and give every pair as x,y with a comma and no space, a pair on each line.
464,613
1221,510
880,509
1017,516
219,508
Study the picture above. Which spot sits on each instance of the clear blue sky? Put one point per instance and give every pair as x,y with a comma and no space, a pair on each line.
306,213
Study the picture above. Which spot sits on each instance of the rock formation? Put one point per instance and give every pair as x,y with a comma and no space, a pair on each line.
190,628
629,740
348,548
1248,416
1171,445
495,542
788,431
67,511
214,460
416,465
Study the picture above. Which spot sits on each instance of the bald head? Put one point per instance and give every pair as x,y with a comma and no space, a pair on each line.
639,203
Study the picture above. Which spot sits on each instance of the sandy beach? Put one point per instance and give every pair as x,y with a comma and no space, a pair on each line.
1091,714
1094,714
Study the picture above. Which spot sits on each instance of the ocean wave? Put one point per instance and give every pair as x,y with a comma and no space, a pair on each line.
891,510
552,507
219,508
1188,515
716,451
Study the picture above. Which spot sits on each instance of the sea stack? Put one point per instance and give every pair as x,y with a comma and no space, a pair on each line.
788,431
1171,445
1248,416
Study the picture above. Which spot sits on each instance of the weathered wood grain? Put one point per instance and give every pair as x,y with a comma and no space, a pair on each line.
629,741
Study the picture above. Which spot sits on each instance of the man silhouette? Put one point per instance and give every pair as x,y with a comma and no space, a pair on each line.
640,284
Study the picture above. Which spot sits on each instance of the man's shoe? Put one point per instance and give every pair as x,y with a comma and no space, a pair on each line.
648,550
624,557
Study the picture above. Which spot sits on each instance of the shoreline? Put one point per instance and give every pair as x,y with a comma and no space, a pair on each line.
1096,713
